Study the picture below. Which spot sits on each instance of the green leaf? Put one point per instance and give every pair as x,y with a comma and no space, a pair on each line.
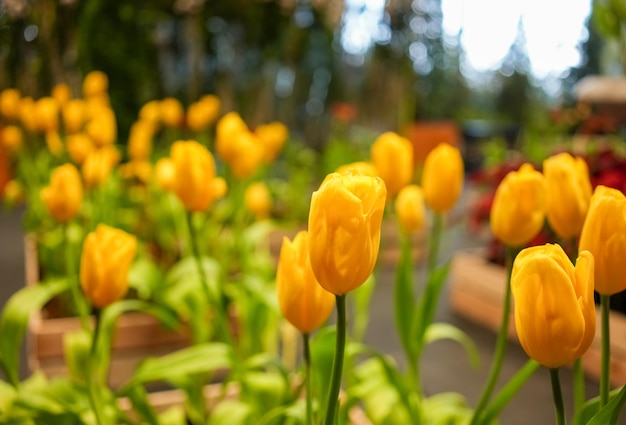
609,414
231,412
322,355
7,395
145,277
405,298
173,416
362,298
14,320
264,390
200,358
446,409
438,331
427,306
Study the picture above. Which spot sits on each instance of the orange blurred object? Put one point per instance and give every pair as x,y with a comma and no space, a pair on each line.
426,135
5,171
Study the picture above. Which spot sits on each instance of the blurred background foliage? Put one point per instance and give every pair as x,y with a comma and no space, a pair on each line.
281,60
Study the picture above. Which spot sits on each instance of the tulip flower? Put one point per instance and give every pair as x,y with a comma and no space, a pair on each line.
568,194
171,112
201,114
303,302
64,196
442,177
28,114
604,235
247,155
518,210
79,146
140,140
74,113
47,114
392,156
99,164
344,230
106,259
10,104
102,128
410,208
228,127
166,174
11,138
272,137
195,172
258,200
555,314
150,112
62,93
95,83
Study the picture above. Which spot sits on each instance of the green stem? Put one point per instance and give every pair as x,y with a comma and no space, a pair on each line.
335,379
93,378
434,242
220,316
606,349
579,386
77,299
501,341
307,378
558,396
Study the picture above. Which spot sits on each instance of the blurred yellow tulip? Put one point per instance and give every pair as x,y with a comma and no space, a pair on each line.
137,169
410,209
392,155
228,128
102,128
47,114
258,200
10,104
248,155
62,93
99,164
518,210
344,230
28,114
442,177
64,196
140,140
54,143
106,259
604,235
568,193
74,114
95,83
166,174
195,172
359,167
150,112
79,146
303,302
555,314
203,113
272,137
11,138
171,112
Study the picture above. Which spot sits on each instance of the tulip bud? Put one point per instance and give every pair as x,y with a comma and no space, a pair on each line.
28,114
303,302
74,113
99,164
410,208
604,235
106,259
258,200
228,127
47,114
442,177
392,156
54,143
171,112
360,167
166,174
102,128
344,230
140,140
248,155
203,113
568,194
555,314
79,146
150,112
64,196
95,83
219,187
61,93
195,170
518,210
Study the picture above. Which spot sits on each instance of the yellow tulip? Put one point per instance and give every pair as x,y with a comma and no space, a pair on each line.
359,167
74,114
140,140
303,302
62,93
95,83
258,200
166,174
47,114
10,103
203,113
171,112
272,137
392,156
11,138
14,192
442,177
64,196
79,146
410,208
228,128
568,194
102,128
28,114
106,259
150,112
344,230
54,143
248,155
555,314
604,234
220,187
195,170
99,164
518,210
139,169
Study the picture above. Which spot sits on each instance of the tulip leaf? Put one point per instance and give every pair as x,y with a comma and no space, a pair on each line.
322,354
609,414
438,331
427,306
200,358
362,298
14,320
232,412
145,277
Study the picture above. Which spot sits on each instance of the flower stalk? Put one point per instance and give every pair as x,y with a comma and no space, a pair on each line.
605,349
335,381
558,396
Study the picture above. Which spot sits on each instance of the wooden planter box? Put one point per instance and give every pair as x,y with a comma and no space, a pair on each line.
137,335
476,293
